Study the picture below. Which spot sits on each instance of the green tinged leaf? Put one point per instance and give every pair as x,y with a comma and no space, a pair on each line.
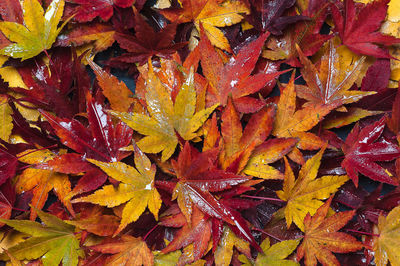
54,243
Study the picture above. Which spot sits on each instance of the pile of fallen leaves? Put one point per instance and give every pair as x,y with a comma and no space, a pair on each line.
258,132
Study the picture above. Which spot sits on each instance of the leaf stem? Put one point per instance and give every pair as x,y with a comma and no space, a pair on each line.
363,233
263,198
49,147
266,233
149,232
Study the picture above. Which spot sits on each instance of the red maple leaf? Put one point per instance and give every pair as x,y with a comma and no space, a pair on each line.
359,31
362,148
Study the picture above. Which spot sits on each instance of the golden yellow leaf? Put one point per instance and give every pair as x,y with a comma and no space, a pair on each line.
6,124
211,14
166,117
305,194
223,253
275,255
136,189
386,246
38,32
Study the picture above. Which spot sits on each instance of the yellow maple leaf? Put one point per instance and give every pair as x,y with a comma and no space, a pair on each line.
304,194
136,189
38,32
211,14
166,117
5,118
386,245
223,253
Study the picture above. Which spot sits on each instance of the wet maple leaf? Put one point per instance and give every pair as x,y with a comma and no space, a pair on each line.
359,29
267,153
234,77
136,189
56,240
211,14
334,79
197,232
291,123
321,237
198,179
166,118
38,33
362,149
394,121
304,194
119,95
128,250
88,10
147,42
385,247
6,119
98,34
7,200
101,141
223,253
238,143
42,181
276,254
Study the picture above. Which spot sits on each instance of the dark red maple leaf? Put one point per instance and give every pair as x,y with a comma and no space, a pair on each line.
87,10
101,140
146,42
272,15
359,29
7,199
362,149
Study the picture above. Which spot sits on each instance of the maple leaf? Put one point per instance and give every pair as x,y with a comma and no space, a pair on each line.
334,79
38,32
7,200
6,119
234,77
269,15
119,95
101,141
102,225
88,10
321,237
53,243
362,149
197,232
211,14
136,189
238,144
100,35
166,116
198,178
359,31
306,33
304,194
223,253
276,254
291,123
147,42
384,245
128,250
42,181
394,121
